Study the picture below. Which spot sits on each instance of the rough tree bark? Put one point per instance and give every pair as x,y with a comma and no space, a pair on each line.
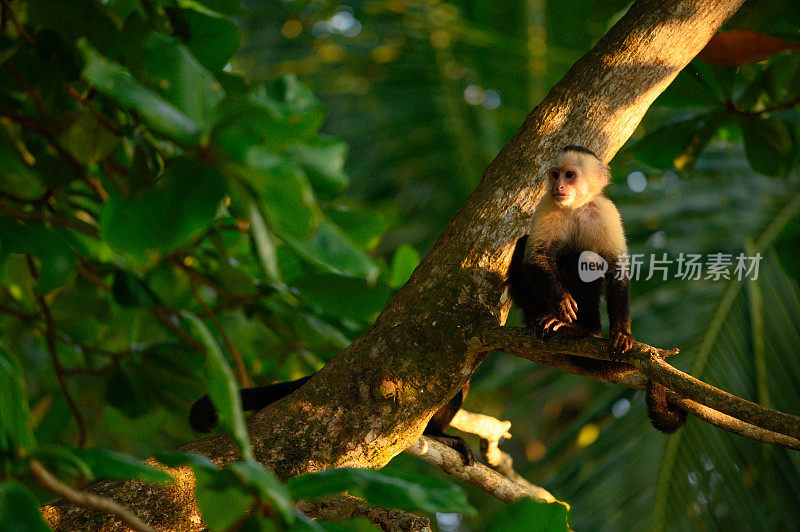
375,398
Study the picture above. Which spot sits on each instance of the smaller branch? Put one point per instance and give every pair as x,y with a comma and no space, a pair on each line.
241,370
164,315
50,335
343,507
52,219
727,403
47,481
490,430
478,475
572,355
19,314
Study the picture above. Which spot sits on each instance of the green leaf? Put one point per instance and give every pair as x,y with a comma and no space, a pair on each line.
56,259
127,393
168,216
266,484
105,463
678,144
265,247
528,514
364,224
228,7
322,158
405,260
345,297
130,291
168,67
211,38
18,509
423,493
330,248
116,82
285,199
221,498
88,140
58,55
15,417
193,460
222,387
269,118
771,145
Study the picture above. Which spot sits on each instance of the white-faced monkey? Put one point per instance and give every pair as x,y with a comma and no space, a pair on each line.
557,276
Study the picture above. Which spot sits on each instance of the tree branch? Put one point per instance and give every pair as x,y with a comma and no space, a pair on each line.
589,357
478,475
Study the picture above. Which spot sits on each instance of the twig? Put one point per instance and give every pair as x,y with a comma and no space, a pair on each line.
572,355
52,219
343,507
20,314
478,475
47,481
491,430
50,335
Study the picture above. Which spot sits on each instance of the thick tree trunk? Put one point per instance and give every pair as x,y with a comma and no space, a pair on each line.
376,397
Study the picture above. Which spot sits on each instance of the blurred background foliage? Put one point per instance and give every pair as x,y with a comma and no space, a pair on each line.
198,194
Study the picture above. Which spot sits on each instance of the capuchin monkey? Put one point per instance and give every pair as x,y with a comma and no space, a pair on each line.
545,282
575,230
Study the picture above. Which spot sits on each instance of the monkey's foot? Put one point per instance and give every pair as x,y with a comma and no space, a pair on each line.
621,343
455,443
548,324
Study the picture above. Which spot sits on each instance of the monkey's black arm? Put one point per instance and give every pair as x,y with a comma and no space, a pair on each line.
618,299
203,415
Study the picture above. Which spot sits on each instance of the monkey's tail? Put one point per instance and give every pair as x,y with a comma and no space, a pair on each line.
203,415
664,415
520,288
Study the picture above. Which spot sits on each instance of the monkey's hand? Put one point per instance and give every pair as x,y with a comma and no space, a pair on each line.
621,343
567,310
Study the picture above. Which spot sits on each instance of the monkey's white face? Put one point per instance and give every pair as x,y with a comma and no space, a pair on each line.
569,186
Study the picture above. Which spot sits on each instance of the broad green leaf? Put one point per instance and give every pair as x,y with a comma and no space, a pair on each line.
266,484
18,509
269,118
19,178
221,498
784,78
228,7
285,199
168,67
95,23
388,491
222,387
105,463
771,145
116,82
193,460
322,158
678,144
127,393
345,297
58,54
528,514
130,291
56,259
211,38
265,247
15,422
405,260
87,139
330,248
168,216
365,225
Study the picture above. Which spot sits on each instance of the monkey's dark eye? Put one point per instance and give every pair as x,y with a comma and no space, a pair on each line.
569,175
554,175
